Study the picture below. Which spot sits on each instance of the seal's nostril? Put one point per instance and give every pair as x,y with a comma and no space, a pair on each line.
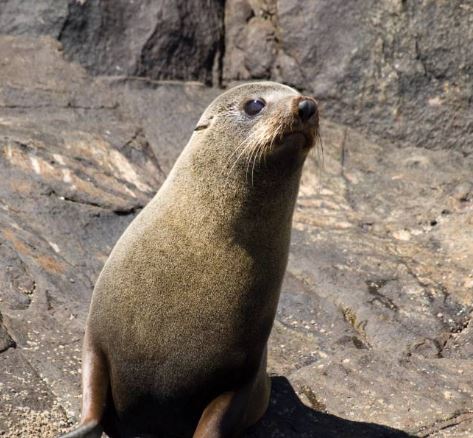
306,109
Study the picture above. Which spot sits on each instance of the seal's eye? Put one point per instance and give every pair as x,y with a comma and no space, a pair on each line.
254,106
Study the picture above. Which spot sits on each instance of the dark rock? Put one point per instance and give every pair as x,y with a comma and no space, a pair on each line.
161,109
6,341
288,417
399,69
33,18
250,39
157,39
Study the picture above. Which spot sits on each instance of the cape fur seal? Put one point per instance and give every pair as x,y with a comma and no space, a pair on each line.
175,341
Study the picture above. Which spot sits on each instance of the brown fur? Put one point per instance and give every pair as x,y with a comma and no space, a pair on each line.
183,308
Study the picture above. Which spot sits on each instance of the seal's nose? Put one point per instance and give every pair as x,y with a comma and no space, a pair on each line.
306,109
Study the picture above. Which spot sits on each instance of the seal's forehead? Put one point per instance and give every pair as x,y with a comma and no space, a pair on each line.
233,98
258,89
270,91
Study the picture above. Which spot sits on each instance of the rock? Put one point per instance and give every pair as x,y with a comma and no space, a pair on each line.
250,39
33,18
360,303
29,409
373,331
288,417
398,398
160,40
161,108
463,192
398,69
76,166
6,341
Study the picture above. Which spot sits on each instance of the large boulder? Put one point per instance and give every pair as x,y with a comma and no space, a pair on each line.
401,70
157,39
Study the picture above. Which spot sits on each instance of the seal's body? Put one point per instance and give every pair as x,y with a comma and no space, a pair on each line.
175,342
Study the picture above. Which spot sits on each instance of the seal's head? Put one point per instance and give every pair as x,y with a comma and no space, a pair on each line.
259,126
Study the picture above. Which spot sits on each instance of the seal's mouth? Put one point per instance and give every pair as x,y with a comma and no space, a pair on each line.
298,139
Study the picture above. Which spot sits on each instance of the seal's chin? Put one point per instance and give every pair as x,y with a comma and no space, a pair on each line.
298,140
292,147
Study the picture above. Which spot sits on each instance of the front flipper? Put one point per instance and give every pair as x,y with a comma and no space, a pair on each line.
91,429
95,383
229,414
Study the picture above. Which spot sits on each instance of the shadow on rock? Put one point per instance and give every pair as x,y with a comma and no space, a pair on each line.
288,417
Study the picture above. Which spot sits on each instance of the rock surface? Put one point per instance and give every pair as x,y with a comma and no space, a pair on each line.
158,39
399,69
373,330
402,70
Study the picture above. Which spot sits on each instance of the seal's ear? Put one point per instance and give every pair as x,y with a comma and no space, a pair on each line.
203,123
201,127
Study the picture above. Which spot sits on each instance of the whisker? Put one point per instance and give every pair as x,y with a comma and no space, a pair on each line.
262,154
237,149
241,145
245,147
256,148
256,157
248,162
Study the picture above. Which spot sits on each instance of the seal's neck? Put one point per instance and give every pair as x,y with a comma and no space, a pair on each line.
241,205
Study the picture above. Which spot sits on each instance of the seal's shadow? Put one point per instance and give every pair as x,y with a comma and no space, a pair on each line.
288,417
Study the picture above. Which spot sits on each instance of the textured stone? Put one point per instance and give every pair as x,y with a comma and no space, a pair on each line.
401,70
158,39
73,174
